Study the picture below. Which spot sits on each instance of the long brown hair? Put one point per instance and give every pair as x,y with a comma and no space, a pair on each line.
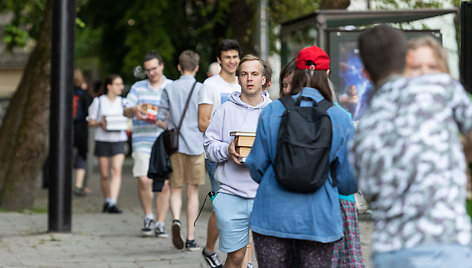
317,79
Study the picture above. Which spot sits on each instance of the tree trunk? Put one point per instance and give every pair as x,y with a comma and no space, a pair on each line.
242,24
25,128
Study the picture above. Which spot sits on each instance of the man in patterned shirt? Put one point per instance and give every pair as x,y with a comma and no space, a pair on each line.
144,94
409,159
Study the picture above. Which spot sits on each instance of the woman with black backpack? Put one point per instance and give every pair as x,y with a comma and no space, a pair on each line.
299,159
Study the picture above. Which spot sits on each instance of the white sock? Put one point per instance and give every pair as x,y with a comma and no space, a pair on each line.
112,202
150,216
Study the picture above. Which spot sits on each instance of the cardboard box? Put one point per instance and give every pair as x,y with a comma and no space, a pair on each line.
151,113
116,122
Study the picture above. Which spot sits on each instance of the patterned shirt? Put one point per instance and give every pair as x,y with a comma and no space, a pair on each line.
144,133
410,163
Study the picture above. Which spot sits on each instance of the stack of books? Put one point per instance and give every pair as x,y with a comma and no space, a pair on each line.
116,122
244,142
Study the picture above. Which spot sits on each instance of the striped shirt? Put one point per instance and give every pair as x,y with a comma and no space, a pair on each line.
144,133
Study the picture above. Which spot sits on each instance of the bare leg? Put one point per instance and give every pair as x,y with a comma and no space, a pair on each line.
192,209
163,202
79,177
115,182
176,202
212,233
104,176
235,258
145,194
248,256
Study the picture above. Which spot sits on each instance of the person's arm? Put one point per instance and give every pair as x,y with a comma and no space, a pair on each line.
233,154
139,111
98,123
162,124
92,118
216,149
204,115
461,106
347,183
132,107
163,111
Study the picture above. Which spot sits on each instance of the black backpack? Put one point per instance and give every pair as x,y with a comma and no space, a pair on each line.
303,145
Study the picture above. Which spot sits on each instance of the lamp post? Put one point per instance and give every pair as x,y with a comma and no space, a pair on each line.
60,142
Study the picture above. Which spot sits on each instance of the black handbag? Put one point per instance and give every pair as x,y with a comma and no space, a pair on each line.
171,136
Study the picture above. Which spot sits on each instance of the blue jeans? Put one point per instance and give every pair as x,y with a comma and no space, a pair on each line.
211,168
434,256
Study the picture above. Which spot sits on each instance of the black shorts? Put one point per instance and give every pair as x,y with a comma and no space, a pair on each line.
104,148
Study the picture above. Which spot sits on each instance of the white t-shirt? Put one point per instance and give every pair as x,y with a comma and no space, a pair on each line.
102,106
216,91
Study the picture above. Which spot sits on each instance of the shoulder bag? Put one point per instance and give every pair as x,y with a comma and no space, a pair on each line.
171,136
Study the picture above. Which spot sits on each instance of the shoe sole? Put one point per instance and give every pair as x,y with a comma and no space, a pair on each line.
162,235
146,234
193,249
176,238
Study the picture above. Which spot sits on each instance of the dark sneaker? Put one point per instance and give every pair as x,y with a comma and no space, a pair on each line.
176,237
212,260
106,206
147,228
191,245
160,231
79,192
114,210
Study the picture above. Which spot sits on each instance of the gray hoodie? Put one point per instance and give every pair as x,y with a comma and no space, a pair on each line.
233,115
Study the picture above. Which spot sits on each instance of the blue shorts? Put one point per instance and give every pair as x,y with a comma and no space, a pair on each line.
433,256
232,218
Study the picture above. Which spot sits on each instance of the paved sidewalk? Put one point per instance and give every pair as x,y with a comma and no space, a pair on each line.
103,240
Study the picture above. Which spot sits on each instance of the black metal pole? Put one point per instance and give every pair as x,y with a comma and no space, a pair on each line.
60,143
466,45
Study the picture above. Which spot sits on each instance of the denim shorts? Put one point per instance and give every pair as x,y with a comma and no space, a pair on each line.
432,256
232,218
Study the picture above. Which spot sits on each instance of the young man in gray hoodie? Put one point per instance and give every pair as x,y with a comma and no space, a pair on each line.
233,203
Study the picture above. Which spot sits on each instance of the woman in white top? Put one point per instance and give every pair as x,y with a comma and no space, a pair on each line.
109,142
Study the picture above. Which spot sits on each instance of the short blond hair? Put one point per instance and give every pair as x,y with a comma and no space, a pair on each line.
438,50
251,57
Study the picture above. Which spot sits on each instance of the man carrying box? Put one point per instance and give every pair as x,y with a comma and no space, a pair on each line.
233,203
142,99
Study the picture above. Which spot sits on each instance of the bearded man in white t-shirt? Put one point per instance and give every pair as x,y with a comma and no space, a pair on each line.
214,92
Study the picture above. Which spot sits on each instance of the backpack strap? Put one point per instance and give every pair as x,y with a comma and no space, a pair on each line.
324,105
287,101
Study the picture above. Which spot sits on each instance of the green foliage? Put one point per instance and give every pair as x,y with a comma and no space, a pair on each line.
402,4
131,28
468,207
26,16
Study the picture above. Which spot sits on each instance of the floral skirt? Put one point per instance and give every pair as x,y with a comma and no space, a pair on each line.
347,251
